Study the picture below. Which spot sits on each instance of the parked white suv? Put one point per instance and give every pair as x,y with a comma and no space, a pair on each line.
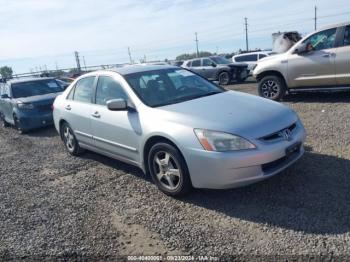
252,58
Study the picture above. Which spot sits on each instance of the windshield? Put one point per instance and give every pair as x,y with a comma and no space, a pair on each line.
35,88
220,60
170,86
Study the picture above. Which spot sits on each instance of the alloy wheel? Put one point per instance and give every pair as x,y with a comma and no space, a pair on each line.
167,170
270,89
69,138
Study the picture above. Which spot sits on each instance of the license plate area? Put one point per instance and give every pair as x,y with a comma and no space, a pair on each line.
291,150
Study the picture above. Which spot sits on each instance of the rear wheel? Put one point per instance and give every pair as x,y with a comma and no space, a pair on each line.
224,78
272,87
70,140
168,170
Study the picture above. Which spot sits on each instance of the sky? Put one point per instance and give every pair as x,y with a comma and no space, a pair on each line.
45,33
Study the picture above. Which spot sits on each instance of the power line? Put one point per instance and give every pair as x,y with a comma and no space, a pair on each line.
197,44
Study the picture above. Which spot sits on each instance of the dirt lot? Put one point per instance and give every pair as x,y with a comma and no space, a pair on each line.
52,204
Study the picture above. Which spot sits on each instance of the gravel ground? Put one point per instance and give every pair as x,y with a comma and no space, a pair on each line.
94,207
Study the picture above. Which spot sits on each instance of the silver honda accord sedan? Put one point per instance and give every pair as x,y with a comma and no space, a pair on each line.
178,127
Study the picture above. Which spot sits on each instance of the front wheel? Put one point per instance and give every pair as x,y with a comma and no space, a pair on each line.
272,87
70,140
168,170
224,78
3,121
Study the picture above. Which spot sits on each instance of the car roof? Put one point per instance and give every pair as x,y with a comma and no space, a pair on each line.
30,79
255,52
126,70
332,26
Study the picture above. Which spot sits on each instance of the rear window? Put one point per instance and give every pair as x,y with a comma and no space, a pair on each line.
246,58
196,63
35,88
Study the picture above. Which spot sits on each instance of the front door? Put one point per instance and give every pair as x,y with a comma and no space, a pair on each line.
115,132
316,67
208,68
342,60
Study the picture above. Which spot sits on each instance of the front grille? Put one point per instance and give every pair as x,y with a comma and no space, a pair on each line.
44,108
278,134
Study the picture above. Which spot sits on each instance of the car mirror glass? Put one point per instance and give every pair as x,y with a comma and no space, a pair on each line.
117,104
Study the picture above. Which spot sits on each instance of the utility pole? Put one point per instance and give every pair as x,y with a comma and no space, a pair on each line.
246,33
84,63
129,52
315,18
197,44
56,65
77,59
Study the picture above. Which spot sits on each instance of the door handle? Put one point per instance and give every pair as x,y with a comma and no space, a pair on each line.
68,107
96,114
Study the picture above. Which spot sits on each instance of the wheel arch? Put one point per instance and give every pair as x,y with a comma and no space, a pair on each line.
271,73
151,141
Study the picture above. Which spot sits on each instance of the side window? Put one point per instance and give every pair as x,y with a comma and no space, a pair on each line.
207,62
108,89
83,89
239,58
347,36
196,63
261,56
322,40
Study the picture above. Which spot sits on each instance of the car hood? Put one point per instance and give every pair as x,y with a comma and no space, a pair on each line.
273,57
238,113
38,99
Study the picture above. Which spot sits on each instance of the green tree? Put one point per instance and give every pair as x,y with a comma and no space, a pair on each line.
193,55
6,72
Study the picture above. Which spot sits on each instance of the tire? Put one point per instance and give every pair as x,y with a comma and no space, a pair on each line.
3,121
272,87
70,141
18,125
168,170
224,78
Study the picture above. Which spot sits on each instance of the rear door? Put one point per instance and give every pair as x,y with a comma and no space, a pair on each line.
342,59
314,68
115,132
78,107
197,67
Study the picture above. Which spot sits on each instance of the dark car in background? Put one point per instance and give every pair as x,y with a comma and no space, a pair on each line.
27,103
217,68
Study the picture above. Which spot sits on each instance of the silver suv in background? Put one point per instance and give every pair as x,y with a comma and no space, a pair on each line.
217,68
319,61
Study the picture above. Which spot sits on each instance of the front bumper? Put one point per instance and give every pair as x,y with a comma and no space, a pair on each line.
216,170
34,121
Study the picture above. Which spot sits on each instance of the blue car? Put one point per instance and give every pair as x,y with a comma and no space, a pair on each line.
27,103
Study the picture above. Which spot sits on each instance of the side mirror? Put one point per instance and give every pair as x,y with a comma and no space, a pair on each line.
4,96
117,105
302,49
213,64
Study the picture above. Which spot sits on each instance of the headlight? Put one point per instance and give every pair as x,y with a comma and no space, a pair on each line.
25,106
221,142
